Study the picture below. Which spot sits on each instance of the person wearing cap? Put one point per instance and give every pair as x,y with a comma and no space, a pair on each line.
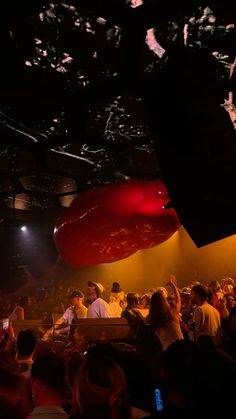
98,308
76,311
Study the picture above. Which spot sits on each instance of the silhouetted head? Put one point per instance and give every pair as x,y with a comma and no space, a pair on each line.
100,389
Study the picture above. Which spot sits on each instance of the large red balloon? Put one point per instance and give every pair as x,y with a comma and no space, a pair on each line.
113,222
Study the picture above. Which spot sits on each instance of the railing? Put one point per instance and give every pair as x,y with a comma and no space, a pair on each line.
91,329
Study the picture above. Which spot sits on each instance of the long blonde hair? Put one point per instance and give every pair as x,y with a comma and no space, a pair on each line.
116,297
100,389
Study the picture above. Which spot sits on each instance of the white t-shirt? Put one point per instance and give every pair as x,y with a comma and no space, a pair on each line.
207,322
71,313
67,319
99,309
169,333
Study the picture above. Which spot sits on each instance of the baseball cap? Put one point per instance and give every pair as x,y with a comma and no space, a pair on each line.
99,287
77,293
186,291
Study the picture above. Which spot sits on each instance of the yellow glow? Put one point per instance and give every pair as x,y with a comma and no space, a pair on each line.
148,268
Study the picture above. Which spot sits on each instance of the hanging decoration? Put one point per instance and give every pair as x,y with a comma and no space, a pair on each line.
110,223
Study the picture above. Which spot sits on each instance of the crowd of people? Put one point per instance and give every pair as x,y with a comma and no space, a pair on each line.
184,364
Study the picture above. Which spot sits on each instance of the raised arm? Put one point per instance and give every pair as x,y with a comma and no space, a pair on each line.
173,283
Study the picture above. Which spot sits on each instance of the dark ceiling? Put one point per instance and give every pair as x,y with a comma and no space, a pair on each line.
73,115
71,111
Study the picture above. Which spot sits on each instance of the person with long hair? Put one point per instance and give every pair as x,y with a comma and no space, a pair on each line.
116,300
100,390
164,316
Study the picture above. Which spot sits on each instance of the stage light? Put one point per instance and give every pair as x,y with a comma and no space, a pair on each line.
23,228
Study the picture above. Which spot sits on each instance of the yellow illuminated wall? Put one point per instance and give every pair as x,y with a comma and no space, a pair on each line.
149,268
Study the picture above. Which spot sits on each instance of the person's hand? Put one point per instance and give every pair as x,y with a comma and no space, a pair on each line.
172,281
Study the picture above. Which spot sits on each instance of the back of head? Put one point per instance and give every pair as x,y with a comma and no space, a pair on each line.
214,286
100,389
201,380
26,342
49,369
14,395
177,363
116,288
147,298
206,342
105,349
201,291
163,290
157,315
132,299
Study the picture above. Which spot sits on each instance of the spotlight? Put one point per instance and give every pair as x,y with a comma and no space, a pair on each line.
23,228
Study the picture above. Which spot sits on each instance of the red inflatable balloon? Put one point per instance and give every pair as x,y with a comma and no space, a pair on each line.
111,223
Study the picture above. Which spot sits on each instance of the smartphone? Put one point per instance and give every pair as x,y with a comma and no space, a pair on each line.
158,400
5,324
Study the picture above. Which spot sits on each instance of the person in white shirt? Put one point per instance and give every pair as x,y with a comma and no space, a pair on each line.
76,311
98,308
116,297
206,318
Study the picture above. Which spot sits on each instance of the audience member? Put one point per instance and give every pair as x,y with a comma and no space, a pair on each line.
98,308
100,390
216,294
144,305
74,312
195,381
116,299
103,380
131,313
26,345
206,318
230,301
165,317
47,382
